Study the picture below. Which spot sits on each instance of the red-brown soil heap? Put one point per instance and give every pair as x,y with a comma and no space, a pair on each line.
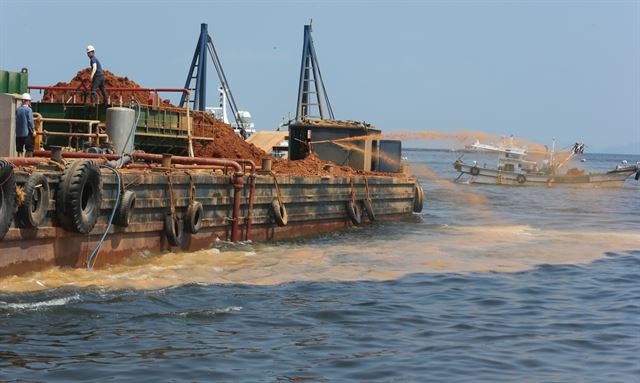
226,143
81,84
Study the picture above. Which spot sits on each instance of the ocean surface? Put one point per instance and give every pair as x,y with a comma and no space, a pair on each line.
487,284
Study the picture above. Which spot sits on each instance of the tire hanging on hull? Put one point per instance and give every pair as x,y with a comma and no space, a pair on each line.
7,197
174,229
194,217
36,201
79,196
354,213
418,198
368,208
125,210
279,212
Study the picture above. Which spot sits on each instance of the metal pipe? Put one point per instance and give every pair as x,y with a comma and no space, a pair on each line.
189,133
252,190
64,134
203,167
78,155
190,160
70,120
248,162
182,90
34,161
238,184
25,161
155,158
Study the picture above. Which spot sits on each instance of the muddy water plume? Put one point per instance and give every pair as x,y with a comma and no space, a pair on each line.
343,258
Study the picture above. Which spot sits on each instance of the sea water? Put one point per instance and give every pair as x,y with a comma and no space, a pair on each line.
488,283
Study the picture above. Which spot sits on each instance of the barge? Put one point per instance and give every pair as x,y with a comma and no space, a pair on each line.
65,208
141,176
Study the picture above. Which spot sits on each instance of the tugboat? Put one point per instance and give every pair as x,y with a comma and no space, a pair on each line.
521,167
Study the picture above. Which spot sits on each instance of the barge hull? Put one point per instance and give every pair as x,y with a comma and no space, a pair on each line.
314,205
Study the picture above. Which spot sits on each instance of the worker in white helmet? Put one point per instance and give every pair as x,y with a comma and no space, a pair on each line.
25,129
97,77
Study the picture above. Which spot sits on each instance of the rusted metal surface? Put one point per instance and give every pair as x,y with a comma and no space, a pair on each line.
236,207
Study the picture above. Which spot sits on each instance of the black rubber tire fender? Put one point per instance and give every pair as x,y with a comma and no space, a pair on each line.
174,229
637,175
125,209
195,212
368,208
354,212
79,196
474,171
521,178
7,197
36,201
418,199
279,212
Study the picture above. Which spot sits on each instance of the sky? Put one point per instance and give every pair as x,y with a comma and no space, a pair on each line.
539,70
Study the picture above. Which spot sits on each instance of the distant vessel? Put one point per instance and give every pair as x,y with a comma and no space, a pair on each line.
245,127
517,166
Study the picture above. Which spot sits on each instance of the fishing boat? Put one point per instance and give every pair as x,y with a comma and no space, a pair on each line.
520,167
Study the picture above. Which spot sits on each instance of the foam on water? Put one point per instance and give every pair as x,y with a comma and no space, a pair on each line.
40,304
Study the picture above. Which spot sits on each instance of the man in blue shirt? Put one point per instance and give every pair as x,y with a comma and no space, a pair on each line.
97,77
25,130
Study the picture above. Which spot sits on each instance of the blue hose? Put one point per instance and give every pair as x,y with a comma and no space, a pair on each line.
113,167
113,214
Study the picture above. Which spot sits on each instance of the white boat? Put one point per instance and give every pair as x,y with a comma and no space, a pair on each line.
244,127
516,166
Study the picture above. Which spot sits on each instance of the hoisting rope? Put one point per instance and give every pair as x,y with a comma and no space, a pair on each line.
172,206
353,191
366,188
278,194
91,261
192,187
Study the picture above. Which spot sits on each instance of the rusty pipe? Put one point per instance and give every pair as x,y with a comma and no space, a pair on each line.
252,190
78,155
152,157
25,161
238,183
190,160
65,134
34,161
182,90
248,162
199,167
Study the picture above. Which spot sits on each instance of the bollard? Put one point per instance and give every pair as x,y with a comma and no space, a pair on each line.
56,154
266,164
166,160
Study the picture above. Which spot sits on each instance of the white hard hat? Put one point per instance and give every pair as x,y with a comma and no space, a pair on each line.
26,96
90,48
